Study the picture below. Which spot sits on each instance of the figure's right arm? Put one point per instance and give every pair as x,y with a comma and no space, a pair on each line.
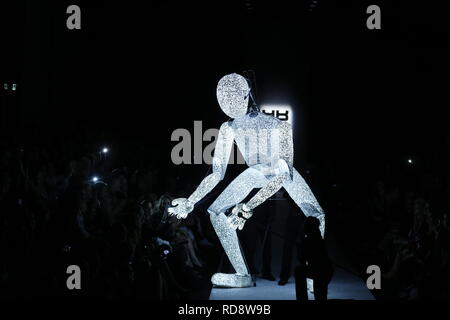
220,160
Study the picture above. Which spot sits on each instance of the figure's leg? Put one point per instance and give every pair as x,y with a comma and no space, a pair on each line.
236,191
300,192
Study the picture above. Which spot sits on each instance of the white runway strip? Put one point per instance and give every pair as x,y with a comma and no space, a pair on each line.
344,285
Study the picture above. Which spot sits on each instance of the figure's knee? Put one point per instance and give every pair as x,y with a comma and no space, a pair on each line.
215,215
212,212
219,220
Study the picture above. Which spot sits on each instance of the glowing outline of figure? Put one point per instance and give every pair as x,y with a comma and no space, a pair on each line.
268,151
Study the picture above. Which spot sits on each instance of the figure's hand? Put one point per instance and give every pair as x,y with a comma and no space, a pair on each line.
239,215
181,207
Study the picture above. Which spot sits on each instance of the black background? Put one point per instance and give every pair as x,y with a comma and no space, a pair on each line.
362,98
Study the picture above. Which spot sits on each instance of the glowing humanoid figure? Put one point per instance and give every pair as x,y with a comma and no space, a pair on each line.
267,147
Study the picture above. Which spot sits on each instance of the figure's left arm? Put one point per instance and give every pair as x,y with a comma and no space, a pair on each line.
267,191
243,211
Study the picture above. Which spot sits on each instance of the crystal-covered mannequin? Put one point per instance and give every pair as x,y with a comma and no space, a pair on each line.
267,147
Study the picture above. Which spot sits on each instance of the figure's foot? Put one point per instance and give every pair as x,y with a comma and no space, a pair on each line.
282,282
231,280
268,276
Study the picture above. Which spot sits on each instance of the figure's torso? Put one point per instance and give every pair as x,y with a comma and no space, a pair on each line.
257,136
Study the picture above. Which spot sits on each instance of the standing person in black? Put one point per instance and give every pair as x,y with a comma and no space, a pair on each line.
316,263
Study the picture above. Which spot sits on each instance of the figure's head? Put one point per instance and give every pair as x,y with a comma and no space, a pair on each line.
232,94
